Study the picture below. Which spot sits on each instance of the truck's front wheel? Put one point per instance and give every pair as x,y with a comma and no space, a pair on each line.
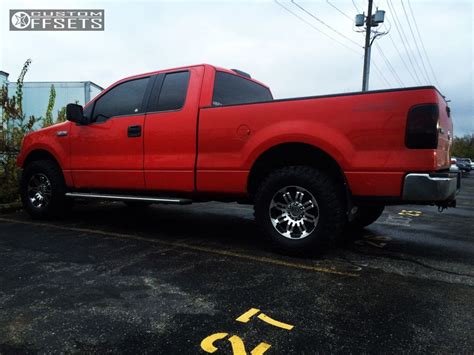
300,209
42,189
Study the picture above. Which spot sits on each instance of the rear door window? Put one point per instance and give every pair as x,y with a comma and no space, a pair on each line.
173,91
232,89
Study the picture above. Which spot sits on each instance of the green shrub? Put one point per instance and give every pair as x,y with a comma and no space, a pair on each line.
14,126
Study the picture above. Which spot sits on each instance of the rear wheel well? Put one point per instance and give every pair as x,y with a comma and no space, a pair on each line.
39,154
290,154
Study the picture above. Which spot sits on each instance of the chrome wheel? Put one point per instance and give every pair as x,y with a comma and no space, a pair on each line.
294,212
39,190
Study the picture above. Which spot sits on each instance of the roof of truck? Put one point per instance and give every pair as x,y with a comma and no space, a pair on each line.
230,71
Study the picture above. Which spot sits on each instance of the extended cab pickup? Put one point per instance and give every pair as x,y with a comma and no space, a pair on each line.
310,165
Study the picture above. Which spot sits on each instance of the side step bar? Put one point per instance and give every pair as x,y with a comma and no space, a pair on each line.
176,201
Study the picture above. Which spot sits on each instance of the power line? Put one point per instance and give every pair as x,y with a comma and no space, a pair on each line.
401,57
416,42
380,73
324,23
339,10
389,65
389,35
400,31
315,28
422,45
353,3
411,53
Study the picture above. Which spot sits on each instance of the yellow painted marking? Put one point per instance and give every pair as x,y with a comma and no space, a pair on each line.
207,344
244,318
261,259
260,349
238,347
274,322
410,213
377,245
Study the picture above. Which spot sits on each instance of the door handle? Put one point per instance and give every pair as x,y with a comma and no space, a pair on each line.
134,131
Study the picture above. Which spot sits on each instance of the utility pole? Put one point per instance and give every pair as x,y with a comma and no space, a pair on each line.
369,21
366,73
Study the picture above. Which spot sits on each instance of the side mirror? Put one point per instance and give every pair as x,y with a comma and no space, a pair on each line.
74,113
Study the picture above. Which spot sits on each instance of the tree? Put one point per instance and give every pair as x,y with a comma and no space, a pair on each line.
463,147
61,115
48,119
14,126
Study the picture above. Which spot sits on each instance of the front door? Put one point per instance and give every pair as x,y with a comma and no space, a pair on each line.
108,152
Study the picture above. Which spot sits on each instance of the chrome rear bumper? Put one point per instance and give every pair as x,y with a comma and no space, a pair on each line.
431,187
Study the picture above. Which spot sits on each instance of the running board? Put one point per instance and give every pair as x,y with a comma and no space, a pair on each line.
176,201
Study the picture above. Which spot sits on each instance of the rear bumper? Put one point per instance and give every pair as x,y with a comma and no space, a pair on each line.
437,187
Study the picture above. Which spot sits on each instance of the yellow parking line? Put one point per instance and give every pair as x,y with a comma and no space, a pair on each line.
262,259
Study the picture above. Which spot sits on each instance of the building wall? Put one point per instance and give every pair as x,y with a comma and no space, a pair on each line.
36,95
3,78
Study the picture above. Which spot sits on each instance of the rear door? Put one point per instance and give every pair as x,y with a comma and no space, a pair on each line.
108,152
170,130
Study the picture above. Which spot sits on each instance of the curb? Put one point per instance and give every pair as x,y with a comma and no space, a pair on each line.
10,207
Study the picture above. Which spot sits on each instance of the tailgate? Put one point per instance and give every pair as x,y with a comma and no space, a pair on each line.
445,135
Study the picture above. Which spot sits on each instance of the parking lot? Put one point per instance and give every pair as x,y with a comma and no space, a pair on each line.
184,279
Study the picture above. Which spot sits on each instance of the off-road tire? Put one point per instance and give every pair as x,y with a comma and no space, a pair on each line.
58,203
329,195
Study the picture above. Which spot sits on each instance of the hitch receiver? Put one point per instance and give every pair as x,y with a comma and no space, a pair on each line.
442,205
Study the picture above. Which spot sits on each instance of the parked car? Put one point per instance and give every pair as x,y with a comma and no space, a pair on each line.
309,165
453,168
464,164
469,160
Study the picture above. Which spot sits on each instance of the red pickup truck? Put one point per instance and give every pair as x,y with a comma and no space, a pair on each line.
310,165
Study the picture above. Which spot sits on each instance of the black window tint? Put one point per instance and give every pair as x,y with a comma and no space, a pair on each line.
88,111
232,89
173,91
124,99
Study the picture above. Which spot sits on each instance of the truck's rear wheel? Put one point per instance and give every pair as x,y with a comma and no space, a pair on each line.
300,209
42,189
365,216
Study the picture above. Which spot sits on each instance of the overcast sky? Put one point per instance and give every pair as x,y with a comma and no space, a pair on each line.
259,37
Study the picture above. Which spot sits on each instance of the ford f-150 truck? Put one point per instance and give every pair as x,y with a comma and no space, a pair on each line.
310,166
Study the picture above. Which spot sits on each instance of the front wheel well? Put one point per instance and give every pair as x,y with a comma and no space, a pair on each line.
292,154
39,154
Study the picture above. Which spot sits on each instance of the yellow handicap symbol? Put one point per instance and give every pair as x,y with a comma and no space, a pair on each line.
410,213
238,347
237,344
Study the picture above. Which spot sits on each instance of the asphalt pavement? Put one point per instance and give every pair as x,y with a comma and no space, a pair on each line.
199,278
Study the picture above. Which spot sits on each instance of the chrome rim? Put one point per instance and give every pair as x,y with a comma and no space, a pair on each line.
39,190
294,212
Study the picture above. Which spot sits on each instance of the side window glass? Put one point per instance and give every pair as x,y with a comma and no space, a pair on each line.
232,89
88,111
173,91
123,99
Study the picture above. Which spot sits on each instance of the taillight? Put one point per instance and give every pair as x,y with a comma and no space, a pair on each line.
422,127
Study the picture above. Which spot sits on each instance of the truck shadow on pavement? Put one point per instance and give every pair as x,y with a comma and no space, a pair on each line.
232,227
